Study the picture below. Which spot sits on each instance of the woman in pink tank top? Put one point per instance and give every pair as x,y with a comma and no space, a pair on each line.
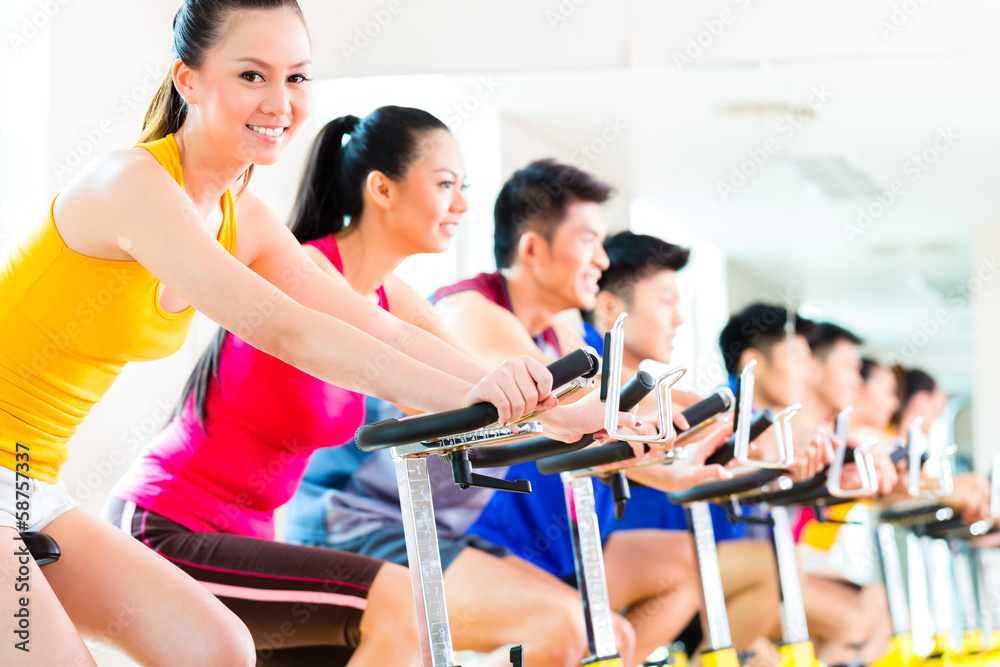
204,491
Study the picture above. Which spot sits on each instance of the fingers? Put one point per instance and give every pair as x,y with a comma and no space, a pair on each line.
715,472
491,392
525,389
708,445
518,387
541,378
681,422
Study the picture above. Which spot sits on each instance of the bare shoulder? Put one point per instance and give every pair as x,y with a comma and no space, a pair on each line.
249,205
321,260
468,301
472,308
109,196
118,170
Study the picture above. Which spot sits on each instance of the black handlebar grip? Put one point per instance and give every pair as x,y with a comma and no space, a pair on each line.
725,488
582,363
899,454
605,367
761,422
615,452
393,432
531,450
709,407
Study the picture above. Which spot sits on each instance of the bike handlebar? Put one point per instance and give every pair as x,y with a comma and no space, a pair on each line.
421,428
538,448
616,452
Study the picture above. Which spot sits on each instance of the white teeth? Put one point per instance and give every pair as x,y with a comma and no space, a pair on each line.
268,132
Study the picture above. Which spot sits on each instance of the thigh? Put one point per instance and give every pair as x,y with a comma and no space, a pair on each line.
644,563
492,601
286,594
745,563
121,593
833,610
35,629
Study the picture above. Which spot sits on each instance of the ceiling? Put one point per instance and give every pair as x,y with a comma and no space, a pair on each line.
694,87
885,274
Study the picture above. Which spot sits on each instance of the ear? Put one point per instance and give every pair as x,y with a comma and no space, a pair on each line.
752,354
183,77
532,248
380,190
607,309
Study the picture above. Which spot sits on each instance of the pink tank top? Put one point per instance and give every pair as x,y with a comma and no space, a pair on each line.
263,420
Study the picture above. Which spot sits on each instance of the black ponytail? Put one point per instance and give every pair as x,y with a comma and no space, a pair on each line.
346,150
205,371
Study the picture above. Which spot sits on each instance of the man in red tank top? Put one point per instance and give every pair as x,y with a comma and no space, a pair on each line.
549,246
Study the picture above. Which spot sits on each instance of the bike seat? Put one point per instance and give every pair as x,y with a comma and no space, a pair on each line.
42,547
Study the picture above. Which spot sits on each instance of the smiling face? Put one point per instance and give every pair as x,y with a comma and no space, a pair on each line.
252,93
780,376
653,315
570,267
877,401
428,203
835,377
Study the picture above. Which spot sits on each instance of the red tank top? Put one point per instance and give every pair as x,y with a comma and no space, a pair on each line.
493,286
263,420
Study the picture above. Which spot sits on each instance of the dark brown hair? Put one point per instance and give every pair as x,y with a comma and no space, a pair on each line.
199,26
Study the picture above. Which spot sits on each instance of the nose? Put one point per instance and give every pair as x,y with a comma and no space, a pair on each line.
277,102
601,258
459,204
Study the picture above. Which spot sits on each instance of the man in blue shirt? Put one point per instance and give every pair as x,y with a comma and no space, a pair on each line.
640,280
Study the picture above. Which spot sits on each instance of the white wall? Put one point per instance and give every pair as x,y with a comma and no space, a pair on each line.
986,323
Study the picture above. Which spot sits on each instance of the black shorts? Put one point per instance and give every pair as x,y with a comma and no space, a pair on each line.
270,585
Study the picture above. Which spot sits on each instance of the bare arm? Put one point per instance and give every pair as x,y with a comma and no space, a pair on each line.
691,471
413,309
132,199
493,332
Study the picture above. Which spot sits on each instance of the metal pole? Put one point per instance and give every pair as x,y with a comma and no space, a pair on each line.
588,555
424,558
713,597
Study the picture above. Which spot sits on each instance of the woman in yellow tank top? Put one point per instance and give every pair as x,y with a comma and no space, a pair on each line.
113,274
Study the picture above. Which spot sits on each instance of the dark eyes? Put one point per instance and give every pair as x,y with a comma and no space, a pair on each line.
255,77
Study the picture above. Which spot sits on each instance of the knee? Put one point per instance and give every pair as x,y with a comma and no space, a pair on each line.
624,636
394,609
558,636
235,647
854,628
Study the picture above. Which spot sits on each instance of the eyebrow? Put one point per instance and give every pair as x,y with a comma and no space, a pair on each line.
261,63
457,177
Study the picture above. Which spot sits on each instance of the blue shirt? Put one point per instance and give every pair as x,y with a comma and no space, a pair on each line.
534,526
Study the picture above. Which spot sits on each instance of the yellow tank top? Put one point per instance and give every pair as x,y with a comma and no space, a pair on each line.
69,323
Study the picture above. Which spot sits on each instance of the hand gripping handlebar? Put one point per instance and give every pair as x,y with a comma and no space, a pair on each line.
393,432
536,448
616,452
